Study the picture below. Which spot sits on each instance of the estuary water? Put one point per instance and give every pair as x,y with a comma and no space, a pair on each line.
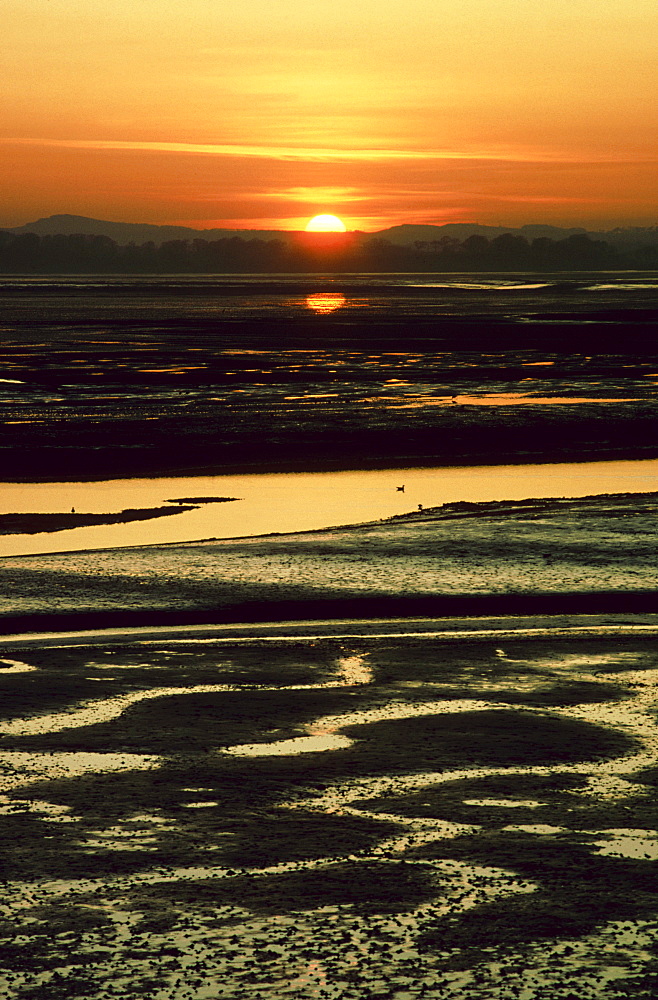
431,382
291,502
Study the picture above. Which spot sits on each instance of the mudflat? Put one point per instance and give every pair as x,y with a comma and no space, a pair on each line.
590,554
349,818
467,810
410,758
112,377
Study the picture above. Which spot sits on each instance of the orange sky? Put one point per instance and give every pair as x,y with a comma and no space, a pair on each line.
260,115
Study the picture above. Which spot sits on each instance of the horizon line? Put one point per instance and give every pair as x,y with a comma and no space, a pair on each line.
332,234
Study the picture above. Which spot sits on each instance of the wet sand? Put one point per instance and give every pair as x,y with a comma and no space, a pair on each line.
120,381
321,818
464,810
583,555
465,813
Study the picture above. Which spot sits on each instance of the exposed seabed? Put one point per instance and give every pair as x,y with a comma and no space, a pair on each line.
465,814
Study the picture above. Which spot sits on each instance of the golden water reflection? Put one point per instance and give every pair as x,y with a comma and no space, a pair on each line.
414,401
325,302
302,501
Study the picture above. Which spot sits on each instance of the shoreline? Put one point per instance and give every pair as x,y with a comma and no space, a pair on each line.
402,631
538,557
360,464
270,612
451,510
245,387
403,756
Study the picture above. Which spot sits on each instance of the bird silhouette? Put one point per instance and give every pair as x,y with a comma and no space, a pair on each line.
400,489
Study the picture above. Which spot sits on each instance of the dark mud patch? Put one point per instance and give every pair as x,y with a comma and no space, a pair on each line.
66,677
66,987
33,524
60,853
62,919
235,834
558,795
50,692
577,891
512,922
369,887
284,836
482,665
563,694
234,873
498,800
560,694
490,736
239,789
647,776
196,500
192,722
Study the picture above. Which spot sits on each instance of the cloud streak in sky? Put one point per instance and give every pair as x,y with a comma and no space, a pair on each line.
316,153
140,111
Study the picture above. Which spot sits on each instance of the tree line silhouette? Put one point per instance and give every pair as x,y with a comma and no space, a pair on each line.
29,253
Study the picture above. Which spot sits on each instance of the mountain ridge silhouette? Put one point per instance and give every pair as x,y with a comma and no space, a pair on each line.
405,234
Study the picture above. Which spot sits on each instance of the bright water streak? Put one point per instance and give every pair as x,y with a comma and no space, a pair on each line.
298,501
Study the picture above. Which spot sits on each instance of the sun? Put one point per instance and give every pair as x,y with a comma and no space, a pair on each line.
325,224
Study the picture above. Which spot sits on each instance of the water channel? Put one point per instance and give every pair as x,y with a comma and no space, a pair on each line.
289,502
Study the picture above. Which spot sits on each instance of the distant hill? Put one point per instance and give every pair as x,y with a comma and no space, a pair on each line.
622,238
136,232
403,235
409,234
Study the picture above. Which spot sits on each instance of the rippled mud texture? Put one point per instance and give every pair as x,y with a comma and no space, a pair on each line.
587,555
319,819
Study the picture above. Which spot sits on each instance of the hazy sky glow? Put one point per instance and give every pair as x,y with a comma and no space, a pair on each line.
261,115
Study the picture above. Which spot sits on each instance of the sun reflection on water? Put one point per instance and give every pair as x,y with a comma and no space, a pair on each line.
325,302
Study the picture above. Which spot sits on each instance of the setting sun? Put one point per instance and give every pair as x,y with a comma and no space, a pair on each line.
325,224
233,120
